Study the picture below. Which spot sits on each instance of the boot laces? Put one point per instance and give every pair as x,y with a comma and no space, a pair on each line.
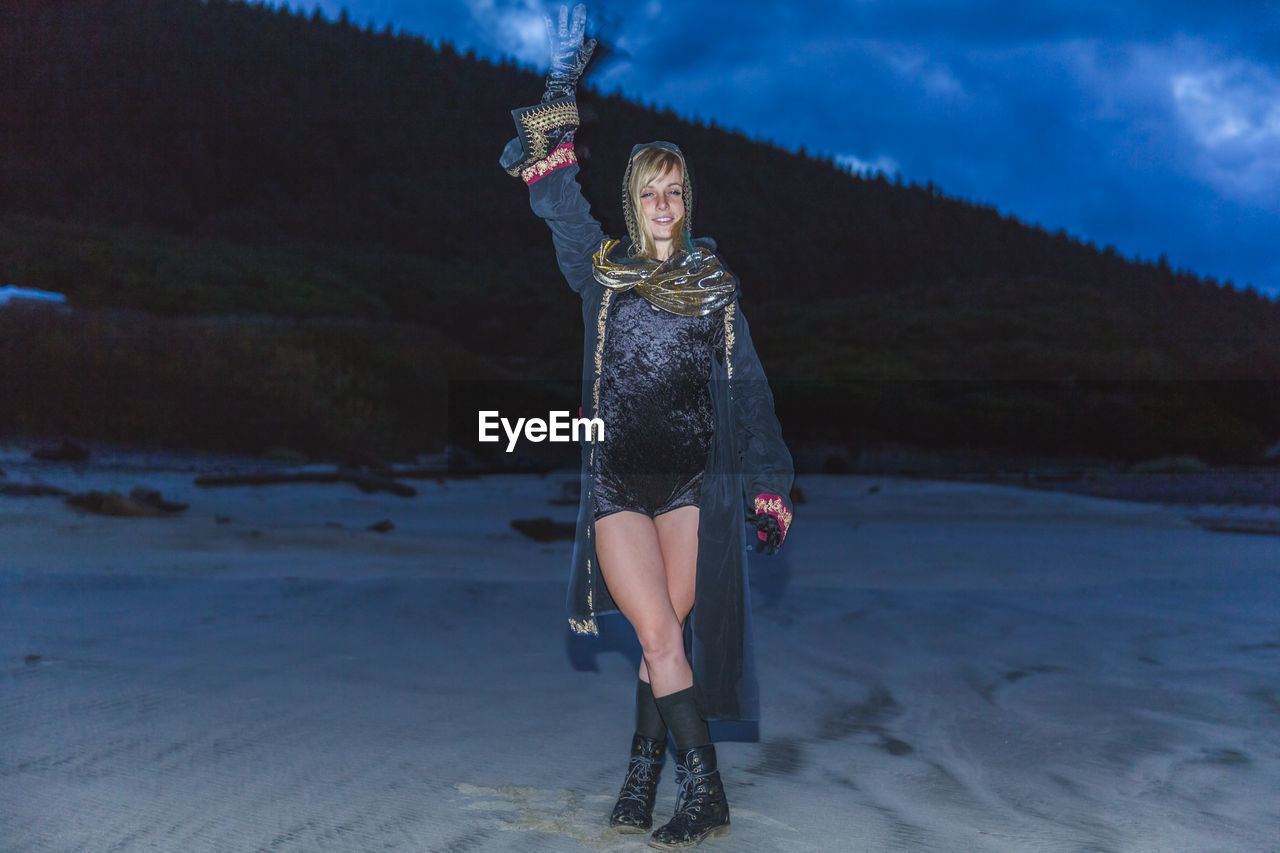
640,774
692,795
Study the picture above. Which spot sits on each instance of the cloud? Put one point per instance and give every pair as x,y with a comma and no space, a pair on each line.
514,28
854,163
1232,111
933,77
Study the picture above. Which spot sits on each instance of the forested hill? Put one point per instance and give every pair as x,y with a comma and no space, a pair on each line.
188,157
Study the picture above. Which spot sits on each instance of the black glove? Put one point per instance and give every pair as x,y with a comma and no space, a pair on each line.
769,536
570,52
551,124
772,518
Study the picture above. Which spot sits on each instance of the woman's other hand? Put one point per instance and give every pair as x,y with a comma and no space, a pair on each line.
772,519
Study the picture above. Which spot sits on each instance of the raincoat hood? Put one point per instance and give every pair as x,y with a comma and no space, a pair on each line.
628,208
692,282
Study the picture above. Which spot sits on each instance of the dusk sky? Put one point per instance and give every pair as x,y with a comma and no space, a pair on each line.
1150,126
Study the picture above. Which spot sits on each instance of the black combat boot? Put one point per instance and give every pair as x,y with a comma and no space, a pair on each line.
702,811
634,810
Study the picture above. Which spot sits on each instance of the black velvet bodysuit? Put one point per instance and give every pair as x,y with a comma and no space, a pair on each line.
655,406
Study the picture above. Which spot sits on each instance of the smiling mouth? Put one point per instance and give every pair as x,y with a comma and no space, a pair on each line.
664,220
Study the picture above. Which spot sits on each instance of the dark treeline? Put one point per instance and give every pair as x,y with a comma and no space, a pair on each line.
188,157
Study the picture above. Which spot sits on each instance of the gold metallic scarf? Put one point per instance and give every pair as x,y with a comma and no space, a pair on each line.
688,283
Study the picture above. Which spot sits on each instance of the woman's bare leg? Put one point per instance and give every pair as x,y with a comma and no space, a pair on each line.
650,566
677,533
678,536
631,555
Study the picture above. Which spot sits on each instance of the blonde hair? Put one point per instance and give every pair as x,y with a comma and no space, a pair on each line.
648,164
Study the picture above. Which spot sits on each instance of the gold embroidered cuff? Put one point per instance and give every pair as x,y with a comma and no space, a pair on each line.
777,507
540,129
558,159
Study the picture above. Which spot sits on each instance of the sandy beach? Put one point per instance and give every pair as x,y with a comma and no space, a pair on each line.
944,666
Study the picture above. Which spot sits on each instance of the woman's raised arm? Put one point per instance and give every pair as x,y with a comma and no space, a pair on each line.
554,195
542,153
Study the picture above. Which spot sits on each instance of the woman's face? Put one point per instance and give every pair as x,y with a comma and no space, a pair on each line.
662,206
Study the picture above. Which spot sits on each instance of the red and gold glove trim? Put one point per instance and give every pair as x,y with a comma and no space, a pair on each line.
557,159
777,507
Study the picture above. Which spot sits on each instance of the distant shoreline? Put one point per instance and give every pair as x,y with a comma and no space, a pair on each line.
1256,486
1250,487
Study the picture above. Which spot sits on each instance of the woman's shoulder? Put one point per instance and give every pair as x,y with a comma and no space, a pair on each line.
708,247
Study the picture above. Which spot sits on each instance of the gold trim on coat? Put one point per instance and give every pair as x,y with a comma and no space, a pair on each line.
589,626
729,341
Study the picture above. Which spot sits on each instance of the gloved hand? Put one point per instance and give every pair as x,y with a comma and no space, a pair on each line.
772,519
545,131
768,532
570,52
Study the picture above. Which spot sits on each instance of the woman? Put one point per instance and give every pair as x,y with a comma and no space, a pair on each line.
691,447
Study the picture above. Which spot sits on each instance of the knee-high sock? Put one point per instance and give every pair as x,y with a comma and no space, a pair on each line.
648,718
680,712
